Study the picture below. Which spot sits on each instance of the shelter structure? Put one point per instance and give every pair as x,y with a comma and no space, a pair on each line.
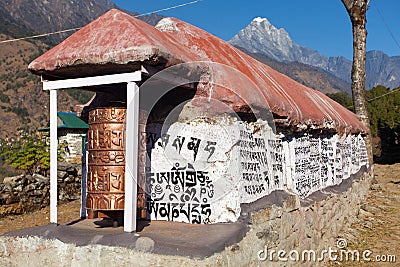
206,128
71,132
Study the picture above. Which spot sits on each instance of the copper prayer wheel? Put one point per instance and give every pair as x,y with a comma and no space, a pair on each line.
106,162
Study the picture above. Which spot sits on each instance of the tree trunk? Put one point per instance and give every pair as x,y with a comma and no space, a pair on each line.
357,10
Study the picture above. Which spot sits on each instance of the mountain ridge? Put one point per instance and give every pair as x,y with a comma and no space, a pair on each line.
261,37
310,76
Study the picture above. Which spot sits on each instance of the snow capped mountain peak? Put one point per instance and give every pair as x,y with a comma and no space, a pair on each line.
260,36
259,20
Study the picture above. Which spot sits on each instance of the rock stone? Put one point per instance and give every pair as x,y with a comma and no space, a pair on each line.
69,179
12,199
61,174
7,187
371,209
40,178
63,166
276,212
29,192
144,244
30,187
35,193
72,171
18,188
291,203
13,180
363,214
376,186
5,196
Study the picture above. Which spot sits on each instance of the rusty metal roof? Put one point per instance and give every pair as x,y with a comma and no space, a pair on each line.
114,38
117,40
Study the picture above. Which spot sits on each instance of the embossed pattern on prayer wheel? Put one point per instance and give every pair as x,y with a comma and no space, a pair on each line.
141,194
106,161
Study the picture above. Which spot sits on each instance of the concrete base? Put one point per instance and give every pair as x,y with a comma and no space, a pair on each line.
168,238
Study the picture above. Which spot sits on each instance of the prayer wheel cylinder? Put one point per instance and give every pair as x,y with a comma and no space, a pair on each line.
106,162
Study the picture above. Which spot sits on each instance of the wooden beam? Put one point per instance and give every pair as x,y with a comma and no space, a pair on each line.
92,81
168,77
131,156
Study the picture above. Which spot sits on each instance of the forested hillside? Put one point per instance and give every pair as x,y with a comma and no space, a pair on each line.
384,113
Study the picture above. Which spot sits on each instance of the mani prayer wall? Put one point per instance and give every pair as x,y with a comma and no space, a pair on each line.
202,173
204,169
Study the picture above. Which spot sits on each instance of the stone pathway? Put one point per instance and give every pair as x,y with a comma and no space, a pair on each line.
378,228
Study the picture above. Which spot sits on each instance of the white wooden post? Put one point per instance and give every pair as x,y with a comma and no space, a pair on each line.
53,156
131,156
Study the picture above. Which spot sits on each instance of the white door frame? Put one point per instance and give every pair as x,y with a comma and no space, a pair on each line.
131,147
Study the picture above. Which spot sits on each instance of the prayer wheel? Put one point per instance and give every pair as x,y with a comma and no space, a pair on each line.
106,160
106,163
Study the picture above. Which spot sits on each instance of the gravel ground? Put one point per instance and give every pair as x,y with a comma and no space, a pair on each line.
378,228
66,212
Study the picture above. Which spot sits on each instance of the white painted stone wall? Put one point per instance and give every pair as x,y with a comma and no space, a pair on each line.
200,172
74,141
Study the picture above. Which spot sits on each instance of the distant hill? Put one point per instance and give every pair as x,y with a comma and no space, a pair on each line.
23,103
19,18
307,75
43,16
261,37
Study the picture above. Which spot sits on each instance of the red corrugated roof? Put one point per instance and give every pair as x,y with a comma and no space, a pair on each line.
114,37
118,38
285,96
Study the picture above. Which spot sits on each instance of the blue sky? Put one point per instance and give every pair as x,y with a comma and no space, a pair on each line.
322,25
